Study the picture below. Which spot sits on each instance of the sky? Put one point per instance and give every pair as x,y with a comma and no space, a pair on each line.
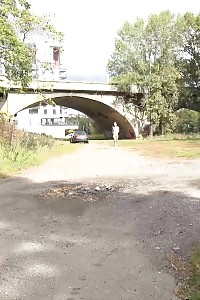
90,28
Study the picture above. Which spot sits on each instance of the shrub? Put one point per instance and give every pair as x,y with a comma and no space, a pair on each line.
15,142
188,121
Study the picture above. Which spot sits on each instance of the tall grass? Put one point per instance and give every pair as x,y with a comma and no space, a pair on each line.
20,150
189,286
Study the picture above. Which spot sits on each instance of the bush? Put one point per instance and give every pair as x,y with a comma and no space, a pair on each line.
15,142
188,121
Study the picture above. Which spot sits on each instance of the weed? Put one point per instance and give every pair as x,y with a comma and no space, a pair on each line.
20,150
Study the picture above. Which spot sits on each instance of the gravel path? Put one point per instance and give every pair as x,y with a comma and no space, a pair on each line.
97,224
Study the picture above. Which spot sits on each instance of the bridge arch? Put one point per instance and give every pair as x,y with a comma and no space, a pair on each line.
102,112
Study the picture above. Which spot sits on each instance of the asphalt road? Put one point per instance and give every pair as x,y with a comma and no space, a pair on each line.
88,226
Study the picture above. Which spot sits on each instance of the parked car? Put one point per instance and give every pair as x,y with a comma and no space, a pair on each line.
79,137
68,136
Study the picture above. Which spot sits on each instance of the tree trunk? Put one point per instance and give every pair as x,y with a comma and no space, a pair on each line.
151,129
163,132
162,129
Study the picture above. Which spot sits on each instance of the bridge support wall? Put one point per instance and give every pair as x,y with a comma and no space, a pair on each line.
101,108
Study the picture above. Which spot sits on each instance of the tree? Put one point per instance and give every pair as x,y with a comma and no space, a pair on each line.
189,62
145,55
16,23
188,121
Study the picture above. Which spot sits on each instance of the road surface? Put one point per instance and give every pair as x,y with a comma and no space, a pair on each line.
97,224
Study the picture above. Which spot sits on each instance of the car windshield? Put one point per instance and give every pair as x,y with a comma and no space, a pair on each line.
80,132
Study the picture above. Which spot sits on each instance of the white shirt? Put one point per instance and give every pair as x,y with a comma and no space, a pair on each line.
115,130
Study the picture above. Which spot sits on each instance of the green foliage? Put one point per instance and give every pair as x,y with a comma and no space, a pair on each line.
16,23
28,23
19,150
188,121
160,57
190,287
189,63
87,124
15,143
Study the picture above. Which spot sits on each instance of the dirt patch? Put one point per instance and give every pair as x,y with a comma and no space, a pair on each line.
108,221
84,192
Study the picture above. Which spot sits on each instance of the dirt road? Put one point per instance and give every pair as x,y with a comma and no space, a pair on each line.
97,224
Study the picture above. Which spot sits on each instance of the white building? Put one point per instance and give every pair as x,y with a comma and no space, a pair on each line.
50,120
47,65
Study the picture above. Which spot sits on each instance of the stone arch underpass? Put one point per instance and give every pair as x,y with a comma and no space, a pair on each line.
102,109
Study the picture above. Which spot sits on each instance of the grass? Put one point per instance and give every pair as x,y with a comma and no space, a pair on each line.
190,287
26,159
195,280
165,147
97,137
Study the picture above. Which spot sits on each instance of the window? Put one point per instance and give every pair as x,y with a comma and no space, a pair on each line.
54,112
33,111
61,111
45,111
56,56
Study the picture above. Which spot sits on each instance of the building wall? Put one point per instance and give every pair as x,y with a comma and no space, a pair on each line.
51,120
2,69
49,66
47,63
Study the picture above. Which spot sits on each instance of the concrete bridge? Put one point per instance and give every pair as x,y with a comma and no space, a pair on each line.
101,102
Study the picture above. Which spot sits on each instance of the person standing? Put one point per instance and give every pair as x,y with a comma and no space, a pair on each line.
115,132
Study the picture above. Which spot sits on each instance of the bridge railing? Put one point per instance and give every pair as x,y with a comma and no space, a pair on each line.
63,86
